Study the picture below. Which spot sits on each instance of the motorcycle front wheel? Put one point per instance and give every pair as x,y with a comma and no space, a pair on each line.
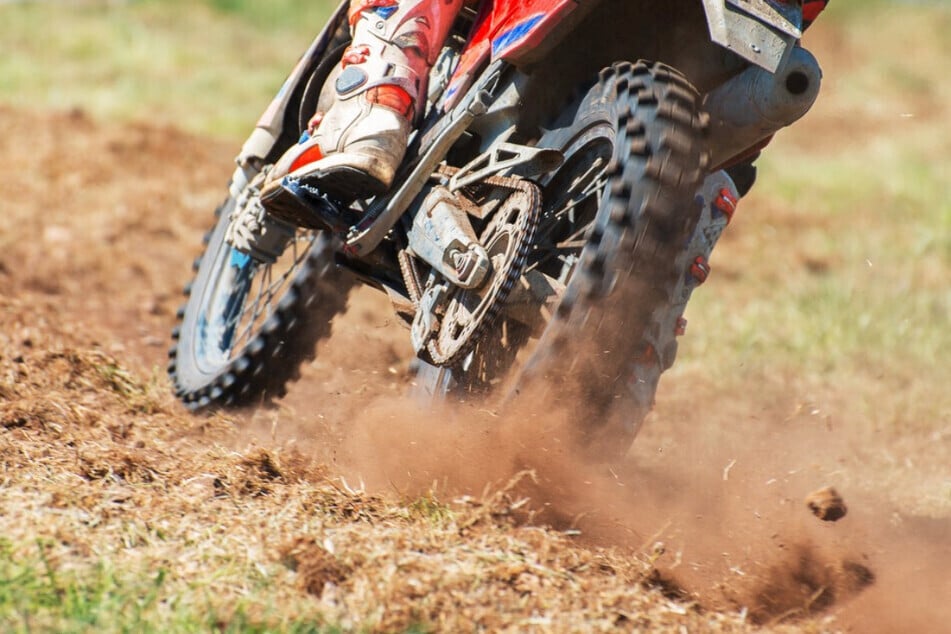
247,326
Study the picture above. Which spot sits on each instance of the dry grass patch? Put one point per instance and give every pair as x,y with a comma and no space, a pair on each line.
118,511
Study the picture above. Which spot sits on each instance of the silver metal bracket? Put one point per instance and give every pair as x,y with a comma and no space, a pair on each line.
752,29
443,237
505,158
425,324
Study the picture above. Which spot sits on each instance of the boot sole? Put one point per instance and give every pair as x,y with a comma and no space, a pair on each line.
343,184
285,206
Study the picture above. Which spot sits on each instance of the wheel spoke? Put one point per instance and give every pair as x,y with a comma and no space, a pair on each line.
596,187
245,332
596,165
236,345
570,244
260,308
547,249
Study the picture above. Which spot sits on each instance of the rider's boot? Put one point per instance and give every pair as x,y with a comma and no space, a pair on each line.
368,106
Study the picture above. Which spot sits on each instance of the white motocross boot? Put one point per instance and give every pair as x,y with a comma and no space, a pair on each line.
352,149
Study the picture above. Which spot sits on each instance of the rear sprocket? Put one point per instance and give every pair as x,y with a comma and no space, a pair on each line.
464,316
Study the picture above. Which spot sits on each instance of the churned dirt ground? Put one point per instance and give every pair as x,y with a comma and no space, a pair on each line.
348,505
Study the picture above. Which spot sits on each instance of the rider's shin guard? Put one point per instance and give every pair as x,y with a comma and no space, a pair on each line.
368,105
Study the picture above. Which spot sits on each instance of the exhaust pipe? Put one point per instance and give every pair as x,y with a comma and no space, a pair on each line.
756,104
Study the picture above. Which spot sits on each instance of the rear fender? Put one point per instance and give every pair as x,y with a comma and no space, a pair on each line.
760,31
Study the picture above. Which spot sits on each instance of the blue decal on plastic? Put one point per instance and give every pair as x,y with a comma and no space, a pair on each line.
385,12
515,34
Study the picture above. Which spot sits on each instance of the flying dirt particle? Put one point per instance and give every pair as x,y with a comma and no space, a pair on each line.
667,585
806,583
827,504
856,576
264,464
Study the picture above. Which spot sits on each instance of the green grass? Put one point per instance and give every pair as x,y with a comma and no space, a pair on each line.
268,14
39,595
208,68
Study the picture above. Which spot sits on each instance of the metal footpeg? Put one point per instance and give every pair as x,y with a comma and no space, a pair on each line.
304,206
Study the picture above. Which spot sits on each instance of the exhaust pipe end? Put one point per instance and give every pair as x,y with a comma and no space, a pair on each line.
756,104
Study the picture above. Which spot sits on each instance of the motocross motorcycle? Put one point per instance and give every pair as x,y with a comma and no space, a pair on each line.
554,212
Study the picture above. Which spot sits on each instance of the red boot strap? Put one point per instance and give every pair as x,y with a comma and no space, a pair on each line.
311,155
392,97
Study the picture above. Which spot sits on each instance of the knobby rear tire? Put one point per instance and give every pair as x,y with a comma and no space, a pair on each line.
601,339
598,356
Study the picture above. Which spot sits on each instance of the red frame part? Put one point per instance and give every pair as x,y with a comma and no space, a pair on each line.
505,29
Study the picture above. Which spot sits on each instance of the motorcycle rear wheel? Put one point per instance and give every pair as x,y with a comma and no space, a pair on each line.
617,213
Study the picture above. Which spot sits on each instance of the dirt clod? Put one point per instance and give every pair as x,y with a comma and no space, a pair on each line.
315,566
806,583
827,504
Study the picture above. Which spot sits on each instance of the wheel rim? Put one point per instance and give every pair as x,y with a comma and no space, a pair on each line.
243,296
573,194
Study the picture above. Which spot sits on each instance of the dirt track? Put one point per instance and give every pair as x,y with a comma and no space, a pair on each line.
101,224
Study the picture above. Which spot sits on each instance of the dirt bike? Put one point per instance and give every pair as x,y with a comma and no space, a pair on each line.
593,190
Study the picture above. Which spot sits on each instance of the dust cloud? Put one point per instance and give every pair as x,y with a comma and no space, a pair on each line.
713,492
717,505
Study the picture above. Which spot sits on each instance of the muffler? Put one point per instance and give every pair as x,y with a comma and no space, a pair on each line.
755,104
